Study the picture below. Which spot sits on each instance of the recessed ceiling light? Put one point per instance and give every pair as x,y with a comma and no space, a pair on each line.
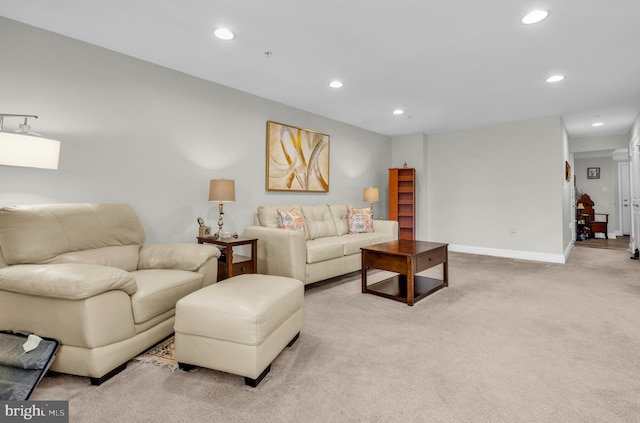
535,17
555,78
336,84
597,124
398,111
224,34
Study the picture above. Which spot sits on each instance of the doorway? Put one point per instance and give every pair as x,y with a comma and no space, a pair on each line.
624,194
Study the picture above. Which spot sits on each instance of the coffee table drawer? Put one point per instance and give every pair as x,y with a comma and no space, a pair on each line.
384,261
432,258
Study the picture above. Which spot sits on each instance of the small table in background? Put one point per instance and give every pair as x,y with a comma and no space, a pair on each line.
230,264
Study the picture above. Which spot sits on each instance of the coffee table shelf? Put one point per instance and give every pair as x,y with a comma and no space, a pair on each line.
395,287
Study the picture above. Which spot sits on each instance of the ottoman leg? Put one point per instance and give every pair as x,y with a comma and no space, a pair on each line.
254,382
186,367
293,340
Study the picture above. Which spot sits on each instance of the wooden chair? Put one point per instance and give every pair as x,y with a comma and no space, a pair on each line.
595,226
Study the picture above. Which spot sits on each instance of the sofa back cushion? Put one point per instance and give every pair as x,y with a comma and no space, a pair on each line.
340,213
319,221
81,233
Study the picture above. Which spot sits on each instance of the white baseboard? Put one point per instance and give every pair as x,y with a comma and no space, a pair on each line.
515,254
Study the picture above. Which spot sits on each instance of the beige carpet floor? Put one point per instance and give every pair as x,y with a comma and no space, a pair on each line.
508,341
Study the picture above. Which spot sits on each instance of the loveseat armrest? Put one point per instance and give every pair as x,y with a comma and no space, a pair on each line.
281,252
72,281
386,226
190,257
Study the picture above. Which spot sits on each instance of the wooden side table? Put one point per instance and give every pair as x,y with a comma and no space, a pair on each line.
230,264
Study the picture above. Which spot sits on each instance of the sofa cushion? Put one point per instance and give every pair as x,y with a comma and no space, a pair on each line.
160,289
322,249
71,281
67,228
340,213
121,256
353,243
360,221
319,221
268,215
180,256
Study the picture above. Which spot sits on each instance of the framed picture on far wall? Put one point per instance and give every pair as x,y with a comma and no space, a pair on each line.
297,159
593,173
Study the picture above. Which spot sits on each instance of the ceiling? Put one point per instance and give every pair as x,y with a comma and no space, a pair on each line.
449,65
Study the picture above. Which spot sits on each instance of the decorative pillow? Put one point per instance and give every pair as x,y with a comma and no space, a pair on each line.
268,215
291,220
360,221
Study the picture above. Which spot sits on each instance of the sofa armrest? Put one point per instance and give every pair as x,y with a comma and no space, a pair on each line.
386,226
189,257
72,281
281,252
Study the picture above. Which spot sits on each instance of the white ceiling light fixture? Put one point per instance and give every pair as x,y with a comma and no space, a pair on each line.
398,112
555,78
224,34
597,124
535,17
25,148
336,84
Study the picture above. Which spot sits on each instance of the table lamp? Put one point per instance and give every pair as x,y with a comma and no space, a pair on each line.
370,195
222,191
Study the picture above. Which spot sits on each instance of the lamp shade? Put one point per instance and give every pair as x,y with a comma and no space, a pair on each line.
580,206
28,151
371,194
222,190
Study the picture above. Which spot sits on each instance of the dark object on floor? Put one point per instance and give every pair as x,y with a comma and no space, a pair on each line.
21,371
636,255
599,225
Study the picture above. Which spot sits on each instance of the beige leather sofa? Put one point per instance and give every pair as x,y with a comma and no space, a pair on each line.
80,273
329,251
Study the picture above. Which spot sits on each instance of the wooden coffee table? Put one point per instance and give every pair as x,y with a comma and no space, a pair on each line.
406,258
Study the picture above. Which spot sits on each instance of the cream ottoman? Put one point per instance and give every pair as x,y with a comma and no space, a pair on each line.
239,325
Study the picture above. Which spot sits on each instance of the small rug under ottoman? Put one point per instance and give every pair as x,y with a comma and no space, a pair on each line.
161,354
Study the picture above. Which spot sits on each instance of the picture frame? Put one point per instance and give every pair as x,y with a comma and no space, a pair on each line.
297,159
204,231
567,171
593,173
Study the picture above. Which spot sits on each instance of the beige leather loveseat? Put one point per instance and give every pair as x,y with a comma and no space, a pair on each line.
325,248
80,273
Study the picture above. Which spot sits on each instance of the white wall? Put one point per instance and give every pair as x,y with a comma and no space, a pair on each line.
138,133
635,130
500,189
598,143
